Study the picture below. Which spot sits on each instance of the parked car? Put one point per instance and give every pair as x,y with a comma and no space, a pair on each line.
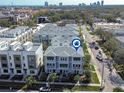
93,43
45,89
96,47
100,52
99,57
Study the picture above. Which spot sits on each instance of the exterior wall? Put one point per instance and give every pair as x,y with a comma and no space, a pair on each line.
24,37
63,70
5,62
24,64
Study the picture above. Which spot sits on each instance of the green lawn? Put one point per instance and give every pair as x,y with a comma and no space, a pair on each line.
85,88
89,67
81,88
92,68
94,78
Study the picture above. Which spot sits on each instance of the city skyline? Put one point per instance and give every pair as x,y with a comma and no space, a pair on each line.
65,2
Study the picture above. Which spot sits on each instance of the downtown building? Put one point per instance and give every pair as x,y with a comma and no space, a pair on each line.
20,59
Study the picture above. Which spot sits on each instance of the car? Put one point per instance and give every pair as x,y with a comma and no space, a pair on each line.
100,52
96,47
99,57
45,89
93,44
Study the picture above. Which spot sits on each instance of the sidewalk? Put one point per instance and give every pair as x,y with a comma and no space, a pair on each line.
56,83
92,58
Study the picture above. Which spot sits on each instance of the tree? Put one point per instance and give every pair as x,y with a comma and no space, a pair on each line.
53,77
103,35
29,23
29,81
5,23
77,78
111,45
88,76
118,89
119,56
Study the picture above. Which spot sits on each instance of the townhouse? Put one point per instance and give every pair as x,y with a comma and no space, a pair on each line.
63,60
50,31
20,59
20,33
60,56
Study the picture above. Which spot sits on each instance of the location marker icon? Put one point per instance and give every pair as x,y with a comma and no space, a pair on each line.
76,43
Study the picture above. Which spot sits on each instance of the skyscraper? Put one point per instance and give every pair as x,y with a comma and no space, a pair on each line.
46,4
102,3
98,3
60,4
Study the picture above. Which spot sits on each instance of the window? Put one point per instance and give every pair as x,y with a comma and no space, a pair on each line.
78,66
32,71
18,71
5,71
12,71
54,70
31,58
10,57
18,66
4,58
4,65
60,44
24,65
17,58
31,66
63,59
76,59
50,58
53,64
64,65
23,58
50,64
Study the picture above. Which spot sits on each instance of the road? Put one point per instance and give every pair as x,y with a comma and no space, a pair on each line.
111,79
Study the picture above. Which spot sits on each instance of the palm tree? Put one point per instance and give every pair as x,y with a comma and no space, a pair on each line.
77,78
29,81
53,77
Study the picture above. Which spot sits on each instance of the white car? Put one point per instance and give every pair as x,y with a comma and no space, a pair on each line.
44,89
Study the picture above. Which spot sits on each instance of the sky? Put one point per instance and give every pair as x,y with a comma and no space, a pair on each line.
65,2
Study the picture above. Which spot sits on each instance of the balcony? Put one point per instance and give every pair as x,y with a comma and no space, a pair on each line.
4,65
18,66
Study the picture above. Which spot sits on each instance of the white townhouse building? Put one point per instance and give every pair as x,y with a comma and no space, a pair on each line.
20,33
64,60
49,31
20,59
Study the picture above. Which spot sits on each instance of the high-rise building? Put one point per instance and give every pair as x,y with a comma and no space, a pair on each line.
102,3
46,4
60,4
83,4
98,3
80,5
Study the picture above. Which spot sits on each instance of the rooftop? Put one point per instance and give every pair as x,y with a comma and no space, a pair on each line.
19,46
53,29
64,40
12,33
64,51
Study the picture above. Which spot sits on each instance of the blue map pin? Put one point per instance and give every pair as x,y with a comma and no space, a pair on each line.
76,43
